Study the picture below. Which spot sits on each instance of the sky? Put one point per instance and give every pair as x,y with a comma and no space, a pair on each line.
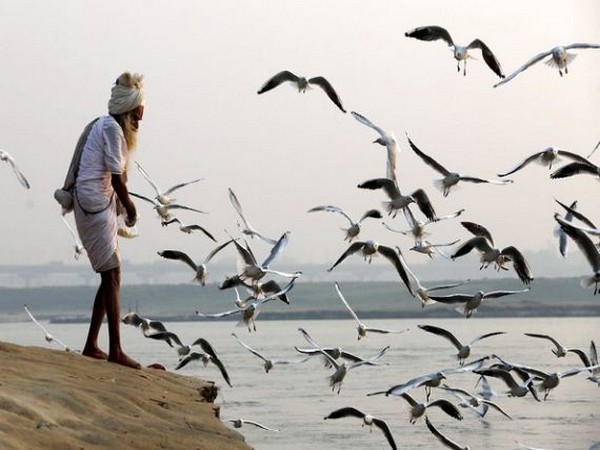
283,152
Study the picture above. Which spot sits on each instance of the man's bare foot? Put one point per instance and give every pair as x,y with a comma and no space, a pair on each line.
95,353
124,360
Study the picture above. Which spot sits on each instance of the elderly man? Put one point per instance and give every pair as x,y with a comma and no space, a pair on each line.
102,177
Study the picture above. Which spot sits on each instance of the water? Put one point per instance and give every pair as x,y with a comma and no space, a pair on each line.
295,398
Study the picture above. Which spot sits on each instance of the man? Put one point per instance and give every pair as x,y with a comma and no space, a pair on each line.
101,178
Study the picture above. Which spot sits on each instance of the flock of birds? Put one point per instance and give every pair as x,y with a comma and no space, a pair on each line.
264,284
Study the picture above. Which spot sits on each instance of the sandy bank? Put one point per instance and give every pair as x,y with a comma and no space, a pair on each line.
55,399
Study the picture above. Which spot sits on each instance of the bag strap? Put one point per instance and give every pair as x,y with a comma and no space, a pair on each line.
76,159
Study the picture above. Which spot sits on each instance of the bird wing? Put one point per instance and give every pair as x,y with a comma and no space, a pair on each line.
178,255
277,79
447,286
329,90
497,294
478,242
148,179
216,250
341,296
576,370
353,248
496,407
574,156
383,426
489,58
362,119
483,180
486,335
581,45
332,208
389,186
424,204
544,336
519,263
277,248
250,349
584,358
187,359
222,314
447,406
166,336
430,33
525,66
345,412
16,170
185,208
209,350
522,164
259,425
372,214
443,439
311,341
180,185
395,257
442,332
142,197
478,230
575,168
576,214
428,159
452,298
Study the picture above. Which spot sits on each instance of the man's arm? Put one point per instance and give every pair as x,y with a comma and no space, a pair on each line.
120,187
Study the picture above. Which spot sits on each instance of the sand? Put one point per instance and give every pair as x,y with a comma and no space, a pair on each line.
56,399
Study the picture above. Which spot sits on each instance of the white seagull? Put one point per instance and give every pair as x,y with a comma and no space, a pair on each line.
354,229
49,337
444,439
238,423
367,419
208,355
200,269
463,350
559,57
589,250
371,248
361,327
77,245
515,389
472,401
561,351
418,227
388,140
551,380
461,53
302,84
247,229
546,157
472,301
269,363
164,211
418,409
188,229
7,158
450,179
163,197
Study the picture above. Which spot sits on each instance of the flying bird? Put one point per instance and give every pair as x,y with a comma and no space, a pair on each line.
367,419
163,197
269,363
516,389
559,57
164,211
146,326
397,200
200,269
388,140
444,439
546,157
188,229
550,380
473,402
238,423
463,350
354,229
77,245
587,247
49,337
371,248
247,229
361,327
560,351
303,84
472,301
450,179
208,355
7,158
461,53
484,244
418,227
418,409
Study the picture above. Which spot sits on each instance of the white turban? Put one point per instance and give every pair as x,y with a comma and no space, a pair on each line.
127,93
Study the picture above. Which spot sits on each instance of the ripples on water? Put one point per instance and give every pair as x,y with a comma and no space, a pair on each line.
295,398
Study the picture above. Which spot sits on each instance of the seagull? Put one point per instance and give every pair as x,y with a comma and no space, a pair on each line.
153,329
164,211
163,196
546,157
257,291
418,409
561,351
559,57
361,327
341,369
463,350
589,250
7,158
450,179
337,353
208,355
461,53
188,228
303,84
417,227
371,248
423,292
397,200
238,423
200,269
473,402
368,420
77,245
248,229
576,168
269,363
251,310
388,140
443,439
353,231
429,249
484,242
515,389
473,301
552,380
49,337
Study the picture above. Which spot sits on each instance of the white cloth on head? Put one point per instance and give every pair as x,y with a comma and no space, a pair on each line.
127,93
104,154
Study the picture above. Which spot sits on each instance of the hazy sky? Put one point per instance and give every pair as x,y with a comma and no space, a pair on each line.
283,152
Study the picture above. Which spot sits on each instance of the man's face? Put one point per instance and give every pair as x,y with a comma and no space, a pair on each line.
136,116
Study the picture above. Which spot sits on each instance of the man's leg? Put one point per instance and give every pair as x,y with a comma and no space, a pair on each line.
91,348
